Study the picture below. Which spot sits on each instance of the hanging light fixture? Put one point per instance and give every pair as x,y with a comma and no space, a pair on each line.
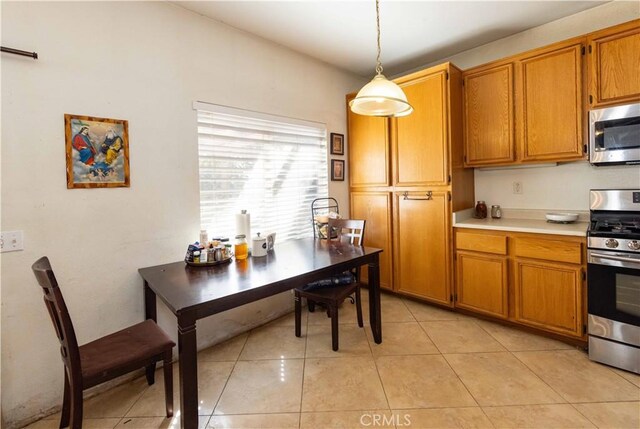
380,97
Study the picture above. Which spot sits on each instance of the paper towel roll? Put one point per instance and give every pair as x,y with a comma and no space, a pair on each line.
243,224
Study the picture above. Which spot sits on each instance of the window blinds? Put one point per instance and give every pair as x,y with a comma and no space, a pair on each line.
271,166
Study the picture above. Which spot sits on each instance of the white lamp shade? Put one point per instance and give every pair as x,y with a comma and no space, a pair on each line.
381,97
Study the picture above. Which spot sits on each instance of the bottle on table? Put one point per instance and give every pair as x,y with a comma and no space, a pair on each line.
241,248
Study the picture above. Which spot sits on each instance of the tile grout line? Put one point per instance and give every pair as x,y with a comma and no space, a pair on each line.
304,365
539,377
213,411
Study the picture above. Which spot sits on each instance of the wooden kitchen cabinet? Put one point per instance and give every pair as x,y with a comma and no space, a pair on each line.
549,115
375,208
420,141
527,279
482,283
421,245
368,142
489,115
481,273
549,296
614,65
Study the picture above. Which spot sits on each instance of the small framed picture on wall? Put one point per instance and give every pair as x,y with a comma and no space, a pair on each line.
337,170
337,144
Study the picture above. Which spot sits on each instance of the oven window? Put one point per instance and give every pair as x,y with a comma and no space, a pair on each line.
617,134
628,294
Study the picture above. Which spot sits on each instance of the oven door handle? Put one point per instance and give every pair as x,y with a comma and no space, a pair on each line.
615,258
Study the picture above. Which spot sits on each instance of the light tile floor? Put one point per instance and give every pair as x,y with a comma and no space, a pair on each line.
434,369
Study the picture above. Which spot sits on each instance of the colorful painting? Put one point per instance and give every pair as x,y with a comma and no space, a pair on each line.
97,152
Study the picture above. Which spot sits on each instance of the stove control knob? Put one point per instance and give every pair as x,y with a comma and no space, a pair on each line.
611,243
634,245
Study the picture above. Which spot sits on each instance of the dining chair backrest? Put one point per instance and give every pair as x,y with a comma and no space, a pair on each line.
349,230
59,316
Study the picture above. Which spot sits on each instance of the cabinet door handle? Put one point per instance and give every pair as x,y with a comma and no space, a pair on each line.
428,196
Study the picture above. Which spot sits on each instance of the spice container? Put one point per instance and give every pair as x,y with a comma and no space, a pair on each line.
481,210
496,212
241,249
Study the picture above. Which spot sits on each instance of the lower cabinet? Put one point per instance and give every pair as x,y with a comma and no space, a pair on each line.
375,207
549,296
530,279
421,245
482,284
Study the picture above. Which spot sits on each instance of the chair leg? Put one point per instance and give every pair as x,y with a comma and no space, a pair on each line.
66,405
298,312
311,306
167,367
75,394
359,307
334,327
151,374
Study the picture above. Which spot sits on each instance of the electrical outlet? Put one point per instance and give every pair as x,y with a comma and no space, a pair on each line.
11,241
517,187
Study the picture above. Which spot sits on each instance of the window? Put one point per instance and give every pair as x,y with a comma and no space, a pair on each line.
269,165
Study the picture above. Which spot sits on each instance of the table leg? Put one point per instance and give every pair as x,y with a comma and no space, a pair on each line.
150,310
188,360
375,317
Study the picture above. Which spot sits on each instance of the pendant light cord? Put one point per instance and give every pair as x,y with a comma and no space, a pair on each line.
378,63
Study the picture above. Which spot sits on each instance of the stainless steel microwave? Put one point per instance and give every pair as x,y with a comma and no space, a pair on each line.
614,135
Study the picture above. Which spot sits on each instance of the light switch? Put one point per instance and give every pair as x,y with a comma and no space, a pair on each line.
11,241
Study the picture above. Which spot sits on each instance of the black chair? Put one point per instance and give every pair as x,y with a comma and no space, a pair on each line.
138,346
350,230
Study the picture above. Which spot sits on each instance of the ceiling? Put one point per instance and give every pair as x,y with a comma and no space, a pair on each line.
414,33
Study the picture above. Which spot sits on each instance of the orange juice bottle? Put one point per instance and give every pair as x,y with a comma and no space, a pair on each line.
241,247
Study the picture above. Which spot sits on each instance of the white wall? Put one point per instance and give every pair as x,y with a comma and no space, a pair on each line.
147,63
564,186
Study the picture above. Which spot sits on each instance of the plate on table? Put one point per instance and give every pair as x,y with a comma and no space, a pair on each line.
561,217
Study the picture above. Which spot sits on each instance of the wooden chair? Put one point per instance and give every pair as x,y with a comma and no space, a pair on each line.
350,230
139,346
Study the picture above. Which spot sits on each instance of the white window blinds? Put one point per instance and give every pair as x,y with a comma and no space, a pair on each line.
271,166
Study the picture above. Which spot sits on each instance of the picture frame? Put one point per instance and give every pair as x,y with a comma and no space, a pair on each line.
337,144
97,152
337,170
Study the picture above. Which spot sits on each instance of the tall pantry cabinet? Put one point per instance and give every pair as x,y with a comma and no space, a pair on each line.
406,178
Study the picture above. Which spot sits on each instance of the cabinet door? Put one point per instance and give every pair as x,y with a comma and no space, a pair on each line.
420,139
375,208
614,65
488,116
549,116
549,296
421,242
368,150
481,283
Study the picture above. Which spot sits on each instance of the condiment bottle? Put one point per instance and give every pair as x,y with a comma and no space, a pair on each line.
241,249
481,210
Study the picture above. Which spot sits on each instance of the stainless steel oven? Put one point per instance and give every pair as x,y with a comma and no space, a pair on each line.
614,135
613,274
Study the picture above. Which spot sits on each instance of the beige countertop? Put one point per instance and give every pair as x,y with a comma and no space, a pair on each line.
516,220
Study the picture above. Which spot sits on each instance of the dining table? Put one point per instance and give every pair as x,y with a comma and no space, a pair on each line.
195,292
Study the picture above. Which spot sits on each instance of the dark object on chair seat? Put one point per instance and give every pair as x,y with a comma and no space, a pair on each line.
138,346
325,291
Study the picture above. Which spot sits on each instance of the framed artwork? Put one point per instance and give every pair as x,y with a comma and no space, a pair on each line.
337,144
337,170
97,152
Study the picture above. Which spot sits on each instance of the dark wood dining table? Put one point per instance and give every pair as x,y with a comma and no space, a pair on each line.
193,293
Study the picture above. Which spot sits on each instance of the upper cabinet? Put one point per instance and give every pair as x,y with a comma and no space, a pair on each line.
614,65
368,149
489,115
549,115
420,140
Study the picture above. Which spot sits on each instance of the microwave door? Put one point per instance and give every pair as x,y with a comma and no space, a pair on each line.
614,135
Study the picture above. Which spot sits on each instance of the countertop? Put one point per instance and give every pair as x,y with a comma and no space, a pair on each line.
516,220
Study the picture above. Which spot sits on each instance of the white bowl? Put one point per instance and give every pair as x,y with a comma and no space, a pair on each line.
562,217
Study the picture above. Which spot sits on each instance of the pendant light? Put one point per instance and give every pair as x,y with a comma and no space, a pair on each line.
380,97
